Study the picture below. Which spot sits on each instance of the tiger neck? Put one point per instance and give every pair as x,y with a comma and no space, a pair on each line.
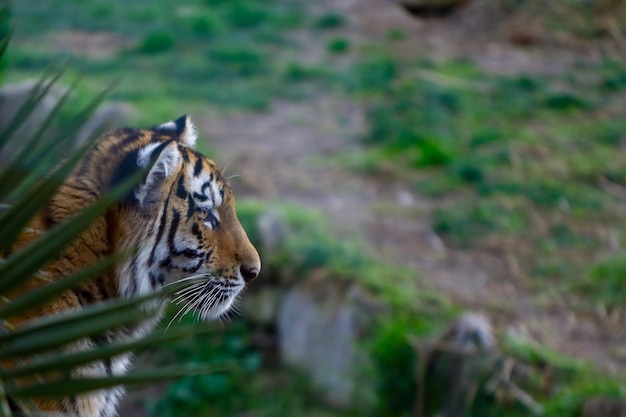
139,273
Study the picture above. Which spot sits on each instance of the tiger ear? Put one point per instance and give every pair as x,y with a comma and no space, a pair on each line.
184,130
168,158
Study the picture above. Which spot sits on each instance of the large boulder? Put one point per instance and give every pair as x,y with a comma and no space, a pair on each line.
12,98
321,329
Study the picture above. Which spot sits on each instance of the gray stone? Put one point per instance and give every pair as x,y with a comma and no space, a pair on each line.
320,332
12,97
272,230
454,367
472,332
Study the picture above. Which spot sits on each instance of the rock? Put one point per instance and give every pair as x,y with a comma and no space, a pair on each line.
471,333
12,97
604,407
272,230
454,368
320,330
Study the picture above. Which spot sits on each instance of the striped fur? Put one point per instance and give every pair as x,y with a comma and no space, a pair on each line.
182,221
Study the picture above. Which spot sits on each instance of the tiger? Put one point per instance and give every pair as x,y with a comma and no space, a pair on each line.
178,224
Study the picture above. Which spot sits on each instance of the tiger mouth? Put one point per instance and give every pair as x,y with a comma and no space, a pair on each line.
209,297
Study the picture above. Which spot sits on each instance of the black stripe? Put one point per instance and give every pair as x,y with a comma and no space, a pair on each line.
195,229
47,219
197,169
133,277
191,253
165,263
181,124
131,136
172,232
192,268
84,296
126,167
181,191
156,279
191,210
108,366
73,405
102,288
200,197
160,231
206,184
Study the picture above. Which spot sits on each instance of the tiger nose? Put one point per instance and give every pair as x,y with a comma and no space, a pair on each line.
249,273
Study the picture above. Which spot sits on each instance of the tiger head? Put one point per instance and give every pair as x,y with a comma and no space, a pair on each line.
181,219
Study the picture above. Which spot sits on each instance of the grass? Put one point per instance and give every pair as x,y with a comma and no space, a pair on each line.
528,163
202,53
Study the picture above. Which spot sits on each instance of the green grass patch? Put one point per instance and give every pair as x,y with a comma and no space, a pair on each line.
156,42
221,54
338,46
330,21
521,159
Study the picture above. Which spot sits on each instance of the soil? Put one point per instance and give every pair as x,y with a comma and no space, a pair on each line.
284,155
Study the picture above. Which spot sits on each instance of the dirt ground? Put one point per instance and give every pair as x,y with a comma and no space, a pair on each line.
283,156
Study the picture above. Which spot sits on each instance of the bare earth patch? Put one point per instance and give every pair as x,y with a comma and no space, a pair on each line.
94,45
283,155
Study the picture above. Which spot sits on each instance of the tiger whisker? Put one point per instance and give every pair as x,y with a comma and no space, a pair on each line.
188,292
191,306
185,297
212,301
235,175
199,276
192,287
192,292
179,312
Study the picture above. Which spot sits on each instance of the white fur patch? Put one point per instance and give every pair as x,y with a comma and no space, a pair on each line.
168,125
166,163
184,128
144,155
190,134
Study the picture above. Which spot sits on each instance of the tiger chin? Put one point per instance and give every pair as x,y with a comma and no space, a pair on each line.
179,223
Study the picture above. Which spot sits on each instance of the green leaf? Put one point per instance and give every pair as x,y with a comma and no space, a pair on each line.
45,293
60,362
52,337
31,154
53,331
69,387
39,91
19,181
23,264
17,217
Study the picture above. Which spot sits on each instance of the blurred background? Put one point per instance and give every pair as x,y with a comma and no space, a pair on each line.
437,189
